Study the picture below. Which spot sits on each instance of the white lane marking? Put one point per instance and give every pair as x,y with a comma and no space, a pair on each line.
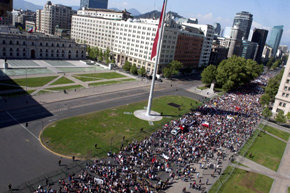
23,126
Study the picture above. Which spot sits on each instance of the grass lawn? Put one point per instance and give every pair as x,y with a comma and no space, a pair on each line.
289,190
282,134
65,87
98,76
203,87
242,181
78,135
267,151
30,82
249,142
111,82
62,80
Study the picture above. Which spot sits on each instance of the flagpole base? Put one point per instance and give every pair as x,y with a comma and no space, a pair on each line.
142,114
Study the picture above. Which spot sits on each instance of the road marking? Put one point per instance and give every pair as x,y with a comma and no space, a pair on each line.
22,126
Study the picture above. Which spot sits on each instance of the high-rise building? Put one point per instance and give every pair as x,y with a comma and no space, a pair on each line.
5,6
245,20
227,32
236,41
260,36
217,28
282,99
132,40
101,4
275,38
249,50
51,16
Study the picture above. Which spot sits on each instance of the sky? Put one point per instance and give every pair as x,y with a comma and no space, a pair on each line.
266,13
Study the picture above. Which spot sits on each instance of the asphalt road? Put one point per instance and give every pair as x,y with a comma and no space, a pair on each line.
22,156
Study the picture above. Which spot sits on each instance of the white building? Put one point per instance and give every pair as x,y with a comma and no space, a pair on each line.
51,16
127,39
282,99
208,32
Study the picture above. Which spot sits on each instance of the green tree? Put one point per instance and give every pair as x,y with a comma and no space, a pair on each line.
208,74
267,113
127,66
276,64
107,60
265,99
270,63
134,70
100,57
172,69
236,71
288,116
273,86
142,71
280,117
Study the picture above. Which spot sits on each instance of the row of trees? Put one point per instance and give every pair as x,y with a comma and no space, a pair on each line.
171,69
95,53
232,73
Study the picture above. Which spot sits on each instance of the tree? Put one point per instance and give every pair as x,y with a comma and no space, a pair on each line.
265,99
273,86
267,113
236,71
127,66
276,64
208,74
107,60
172,69
270,63
142,71
280,117
100,57
134,69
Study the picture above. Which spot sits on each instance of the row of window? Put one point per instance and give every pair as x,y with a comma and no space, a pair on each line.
10,42
282,104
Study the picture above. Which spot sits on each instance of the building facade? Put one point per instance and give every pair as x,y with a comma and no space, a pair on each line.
100,4
51,16
188,49
127,39
244,20
208,32
217,29
275,38
260,36
235,47
5,6
39,46
249,50
282,99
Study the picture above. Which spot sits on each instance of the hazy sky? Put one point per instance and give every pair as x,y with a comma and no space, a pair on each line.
267,13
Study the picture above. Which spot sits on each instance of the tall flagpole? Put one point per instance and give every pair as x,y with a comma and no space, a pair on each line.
157,60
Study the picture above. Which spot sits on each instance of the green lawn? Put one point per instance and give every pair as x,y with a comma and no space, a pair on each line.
289,190
78,135
243,182
98,76
30,82
282,134
202,87
65,87
267,151
62,80
111,82
246,147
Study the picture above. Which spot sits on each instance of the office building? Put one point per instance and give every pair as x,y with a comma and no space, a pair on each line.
5,7
275,38
100,4
7,19
132,39
260,36
52,15
208,32
217,29
244,19
282,99
227,32
249,50
235,47
19,17
267,53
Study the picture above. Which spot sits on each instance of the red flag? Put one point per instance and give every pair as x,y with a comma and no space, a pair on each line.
154,49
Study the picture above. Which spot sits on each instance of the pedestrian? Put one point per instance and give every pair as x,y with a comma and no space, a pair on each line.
10,187
59,162
207,180
73,158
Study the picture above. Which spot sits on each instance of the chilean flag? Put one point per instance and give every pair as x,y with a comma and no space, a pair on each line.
30,30
154,49
205,124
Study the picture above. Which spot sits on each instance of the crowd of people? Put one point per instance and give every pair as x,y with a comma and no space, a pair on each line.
201,139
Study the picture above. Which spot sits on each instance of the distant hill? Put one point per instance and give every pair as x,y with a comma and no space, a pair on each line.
115,9
134,12
21,4
156,14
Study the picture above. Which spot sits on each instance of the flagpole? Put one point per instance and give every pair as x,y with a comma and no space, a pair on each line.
157,60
